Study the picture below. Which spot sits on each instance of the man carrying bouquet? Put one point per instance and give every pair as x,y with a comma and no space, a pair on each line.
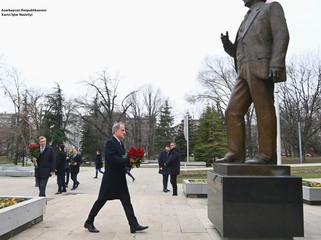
114,184
46,164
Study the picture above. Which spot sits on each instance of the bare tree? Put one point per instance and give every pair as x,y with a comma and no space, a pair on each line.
35,106
100,109
301,103
14,87
217,78
145,107
153,103
136,116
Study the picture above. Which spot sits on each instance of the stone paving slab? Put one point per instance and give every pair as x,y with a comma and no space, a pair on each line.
169,217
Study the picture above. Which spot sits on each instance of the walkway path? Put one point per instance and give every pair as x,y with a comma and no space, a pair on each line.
168,217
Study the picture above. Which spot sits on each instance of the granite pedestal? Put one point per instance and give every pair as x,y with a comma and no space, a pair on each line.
255,201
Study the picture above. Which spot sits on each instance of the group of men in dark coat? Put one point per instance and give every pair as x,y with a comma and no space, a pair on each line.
169,164
48,165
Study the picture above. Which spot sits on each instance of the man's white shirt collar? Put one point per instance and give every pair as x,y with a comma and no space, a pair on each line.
117,139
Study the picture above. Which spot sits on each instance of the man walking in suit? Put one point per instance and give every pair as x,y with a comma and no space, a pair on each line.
114,184
46,164
75,162
259,54
60,169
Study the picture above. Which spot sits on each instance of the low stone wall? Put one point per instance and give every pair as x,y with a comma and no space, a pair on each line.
192,188
16,171
311,195
16,218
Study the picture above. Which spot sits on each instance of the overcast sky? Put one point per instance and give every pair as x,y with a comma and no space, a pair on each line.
162,42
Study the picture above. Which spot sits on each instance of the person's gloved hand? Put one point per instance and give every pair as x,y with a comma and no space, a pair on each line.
224,38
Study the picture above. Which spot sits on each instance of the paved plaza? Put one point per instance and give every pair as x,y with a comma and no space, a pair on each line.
169,217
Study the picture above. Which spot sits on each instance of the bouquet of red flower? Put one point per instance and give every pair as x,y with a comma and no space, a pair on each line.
34,152
137,154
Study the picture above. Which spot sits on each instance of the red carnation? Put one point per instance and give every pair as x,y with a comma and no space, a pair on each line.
136,154
32,146
34,152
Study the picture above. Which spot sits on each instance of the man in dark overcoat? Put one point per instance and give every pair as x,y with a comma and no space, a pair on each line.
46,164
114,184
173,165
60,169
75,162
162,159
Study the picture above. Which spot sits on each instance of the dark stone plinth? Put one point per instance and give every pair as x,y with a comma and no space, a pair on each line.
267,203
251,170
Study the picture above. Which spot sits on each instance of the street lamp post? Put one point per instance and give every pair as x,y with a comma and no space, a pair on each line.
278,126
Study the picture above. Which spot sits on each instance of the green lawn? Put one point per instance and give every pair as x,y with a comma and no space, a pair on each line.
296,160
3,160
306,172
191,175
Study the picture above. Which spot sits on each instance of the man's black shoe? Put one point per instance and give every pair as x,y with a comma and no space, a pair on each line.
58,192
91,227
138,228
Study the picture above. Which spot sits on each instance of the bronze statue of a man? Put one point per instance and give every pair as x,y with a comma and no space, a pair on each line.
259,53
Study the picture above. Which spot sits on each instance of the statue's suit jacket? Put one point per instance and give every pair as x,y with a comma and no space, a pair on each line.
265,40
